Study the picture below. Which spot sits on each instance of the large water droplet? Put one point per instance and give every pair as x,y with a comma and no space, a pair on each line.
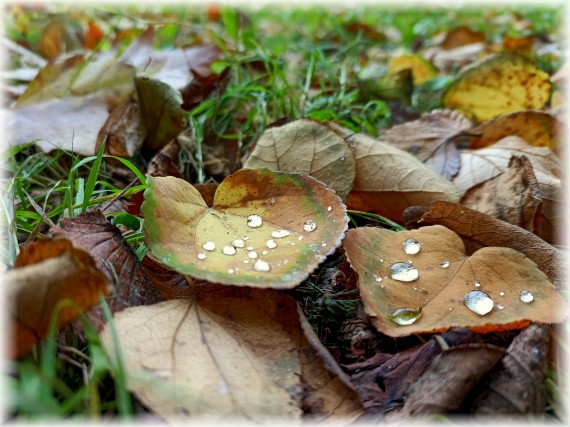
209,246
271,244
412,246
254,221
404,272
278,234
229,250
377,277
201,256
309,225
526,296
238,243
478,302
444,264
261,265
252,255
405,316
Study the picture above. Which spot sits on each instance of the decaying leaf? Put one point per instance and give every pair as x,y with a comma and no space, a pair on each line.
226,353
461,36
422,70
164,162
397,86
421,281
61,34
388,179
265,229
499,84
169,284
483,230
430,139
309,148
46,273
512,196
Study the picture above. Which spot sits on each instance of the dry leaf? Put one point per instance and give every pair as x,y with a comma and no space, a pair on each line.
221,156
422,70
309,148
227,353
169,284
59,36
430,139
448,60
204,85
441,287
388,179
499,84
512,196
484,230
164,162
48,272
522,45
265,229
461,36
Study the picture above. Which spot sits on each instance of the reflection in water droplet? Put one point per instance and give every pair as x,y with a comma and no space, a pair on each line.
501,293
209,246
201,256
412,246
477,283
252,255
500,306
405,316
271,244
238,243
377,278
444,264
309,225
229,250
254,221
526,296
261,265
478,302
404,272
231,271
277,234
329,208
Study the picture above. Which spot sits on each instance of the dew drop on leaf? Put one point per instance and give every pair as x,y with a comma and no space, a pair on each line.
231,271
478,302
477,283
444,264
238,243
500,306
209,246
264,252
272,200
309,225
252,255
377,278
526,296
201,256
412,246
278,234
404,272
249,248
229,250
254,221
245,261
261,265
329,208
405,316
501,293
271,244
300,238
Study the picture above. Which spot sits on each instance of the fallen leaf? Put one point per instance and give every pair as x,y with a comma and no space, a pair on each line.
461,36
388,179
430,139
169,284
449,378
522,45
93,36
226,353
397,86
499,84
422,70
484,230
265,229
444,288
517,384
164,162
46,273
307,147
60,35
512,196
447,60
204,85
221,156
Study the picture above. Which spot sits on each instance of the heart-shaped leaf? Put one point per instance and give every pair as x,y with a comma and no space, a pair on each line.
422,281
265,229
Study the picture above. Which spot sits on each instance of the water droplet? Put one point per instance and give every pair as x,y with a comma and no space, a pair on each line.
450,308
342,158
261,265
500,306
286,262
245,261
271,244
501,293
277,234
477,283
252,255
238,243
478,302
254,221
404,272
272,200
444,264
264,252
231,271
381,260
201,256
245,237
209,246
229,250
405,316
329,208
249,248
526,296
323,244
300,238
412,246
309,225
377,278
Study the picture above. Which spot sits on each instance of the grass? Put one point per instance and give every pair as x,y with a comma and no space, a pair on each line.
287,63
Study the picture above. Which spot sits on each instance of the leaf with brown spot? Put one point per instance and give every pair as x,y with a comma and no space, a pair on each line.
46,273
499,84
307,147
461,36
422,70
433,289
484,230
430,139
513,196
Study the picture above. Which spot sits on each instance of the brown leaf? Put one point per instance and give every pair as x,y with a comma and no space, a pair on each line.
47,273
169,284
461,36
449,378
59,36
430,139
221,155
203,85
517,384
207,191
439,287
164,162
484,230
512,196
